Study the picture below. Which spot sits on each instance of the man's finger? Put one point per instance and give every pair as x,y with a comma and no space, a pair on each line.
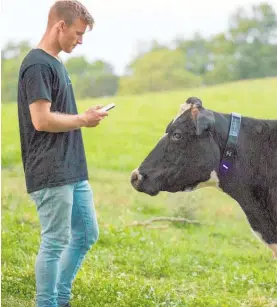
103,113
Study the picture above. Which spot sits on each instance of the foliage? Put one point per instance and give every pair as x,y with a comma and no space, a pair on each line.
246,50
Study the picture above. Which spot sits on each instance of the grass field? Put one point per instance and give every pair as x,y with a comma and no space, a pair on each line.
217,263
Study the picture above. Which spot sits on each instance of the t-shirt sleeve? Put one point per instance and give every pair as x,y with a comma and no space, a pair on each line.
37,82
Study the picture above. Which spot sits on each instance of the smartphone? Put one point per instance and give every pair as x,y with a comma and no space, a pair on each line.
108,107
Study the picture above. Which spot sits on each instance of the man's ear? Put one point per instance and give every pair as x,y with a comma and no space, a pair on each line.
203,119
61,25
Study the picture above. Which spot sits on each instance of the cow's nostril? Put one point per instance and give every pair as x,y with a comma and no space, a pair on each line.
142,176
135,177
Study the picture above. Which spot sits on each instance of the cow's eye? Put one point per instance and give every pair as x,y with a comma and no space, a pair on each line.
177,136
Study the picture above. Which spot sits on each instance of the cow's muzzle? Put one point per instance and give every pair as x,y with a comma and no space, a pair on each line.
142,183
136,179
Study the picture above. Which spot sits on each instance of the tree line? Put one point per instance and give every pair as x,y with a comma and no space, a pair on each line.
247,49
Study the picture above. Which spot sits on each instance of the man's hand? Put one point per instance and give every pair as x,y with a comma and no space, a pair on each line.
45,120
93,116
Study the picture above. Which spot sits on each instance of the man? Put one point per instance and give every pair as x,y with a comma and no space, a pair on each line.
53,154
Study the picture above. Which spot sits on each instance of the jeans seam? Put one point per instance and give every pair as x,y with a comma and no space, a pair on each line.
85,226
82,247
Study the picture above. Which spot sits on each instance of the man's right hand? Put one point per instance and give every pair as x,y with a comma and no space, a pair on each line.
93,116
45,120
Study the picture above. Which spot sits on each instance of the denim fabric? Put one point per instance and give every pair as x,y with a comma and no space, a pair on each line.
68,230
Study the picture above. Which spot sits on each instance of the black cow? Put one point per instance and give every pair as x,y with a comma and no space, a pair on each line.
201,146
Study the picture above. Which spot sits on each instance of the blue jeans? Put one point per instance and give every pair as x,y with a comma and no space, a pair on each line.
68,230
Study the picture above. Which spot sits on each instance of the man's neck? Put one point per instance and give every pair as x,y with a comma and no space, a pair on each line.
49,52
47,45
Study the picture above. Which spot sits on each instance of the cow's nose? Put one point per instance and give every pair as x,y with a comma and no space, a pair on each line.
135,177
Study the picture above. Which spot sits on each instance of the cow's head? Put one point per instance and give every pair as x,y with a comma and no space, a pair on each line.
184,157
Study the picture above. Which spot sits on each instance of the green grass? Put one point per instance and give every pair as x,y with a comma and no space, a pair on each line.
217,263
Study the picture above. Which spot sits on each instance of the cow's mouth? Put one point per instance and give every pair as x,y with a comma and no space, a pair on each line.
147,189
173,189
152,187
145,186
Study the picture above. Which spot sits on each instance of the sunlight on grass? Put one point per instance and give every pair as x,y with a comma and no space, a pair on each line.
217,263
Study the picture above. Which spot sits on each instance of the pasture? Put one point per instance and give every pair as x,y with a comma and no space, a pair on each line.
216,263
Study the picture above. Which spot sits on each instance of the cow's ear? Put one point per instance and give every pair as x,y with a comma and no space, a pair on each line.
195,102
203,119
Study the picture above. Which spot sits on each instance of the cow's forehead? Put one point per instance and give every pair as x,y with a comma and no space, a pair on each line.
178,122
183,113
183,108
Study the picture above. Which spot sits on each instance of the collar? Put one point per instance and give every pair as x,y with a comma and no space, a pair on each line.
230,151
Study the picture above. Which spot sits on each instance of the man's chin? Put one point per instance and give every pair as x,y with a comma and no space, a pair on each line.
68,50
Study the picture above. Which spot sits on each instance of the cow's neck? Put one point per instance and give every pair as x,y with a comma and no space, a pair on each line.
221,130
255,135
256,129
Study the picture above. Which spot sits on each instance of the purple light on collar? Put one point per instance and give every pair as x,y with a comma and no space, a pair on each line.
225,167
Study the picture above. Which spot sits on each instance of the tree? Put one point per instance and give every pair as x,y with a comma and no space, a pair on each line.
259,25
93,79
77,66
197,54
158,70
12,56
254,36
247,49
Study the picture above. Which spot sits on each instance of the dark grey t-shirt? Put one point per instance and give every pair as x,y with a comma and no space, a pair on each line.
49,159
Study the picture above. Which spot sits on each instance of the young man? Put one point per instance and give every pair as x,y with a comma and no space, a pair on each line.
53,154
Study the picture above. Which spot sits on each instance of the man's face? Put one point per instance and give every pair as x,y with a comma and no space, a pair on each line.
71,36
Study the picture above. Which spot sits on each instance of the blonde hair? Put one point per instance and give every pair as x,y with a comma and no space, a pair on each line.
69,10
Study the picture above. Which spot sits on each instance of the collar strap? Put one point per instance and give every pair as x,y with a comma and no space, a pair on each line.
230,151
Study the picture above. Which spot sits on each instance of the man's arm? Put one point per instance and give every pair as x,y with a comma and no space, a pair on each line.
45,120
38,81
